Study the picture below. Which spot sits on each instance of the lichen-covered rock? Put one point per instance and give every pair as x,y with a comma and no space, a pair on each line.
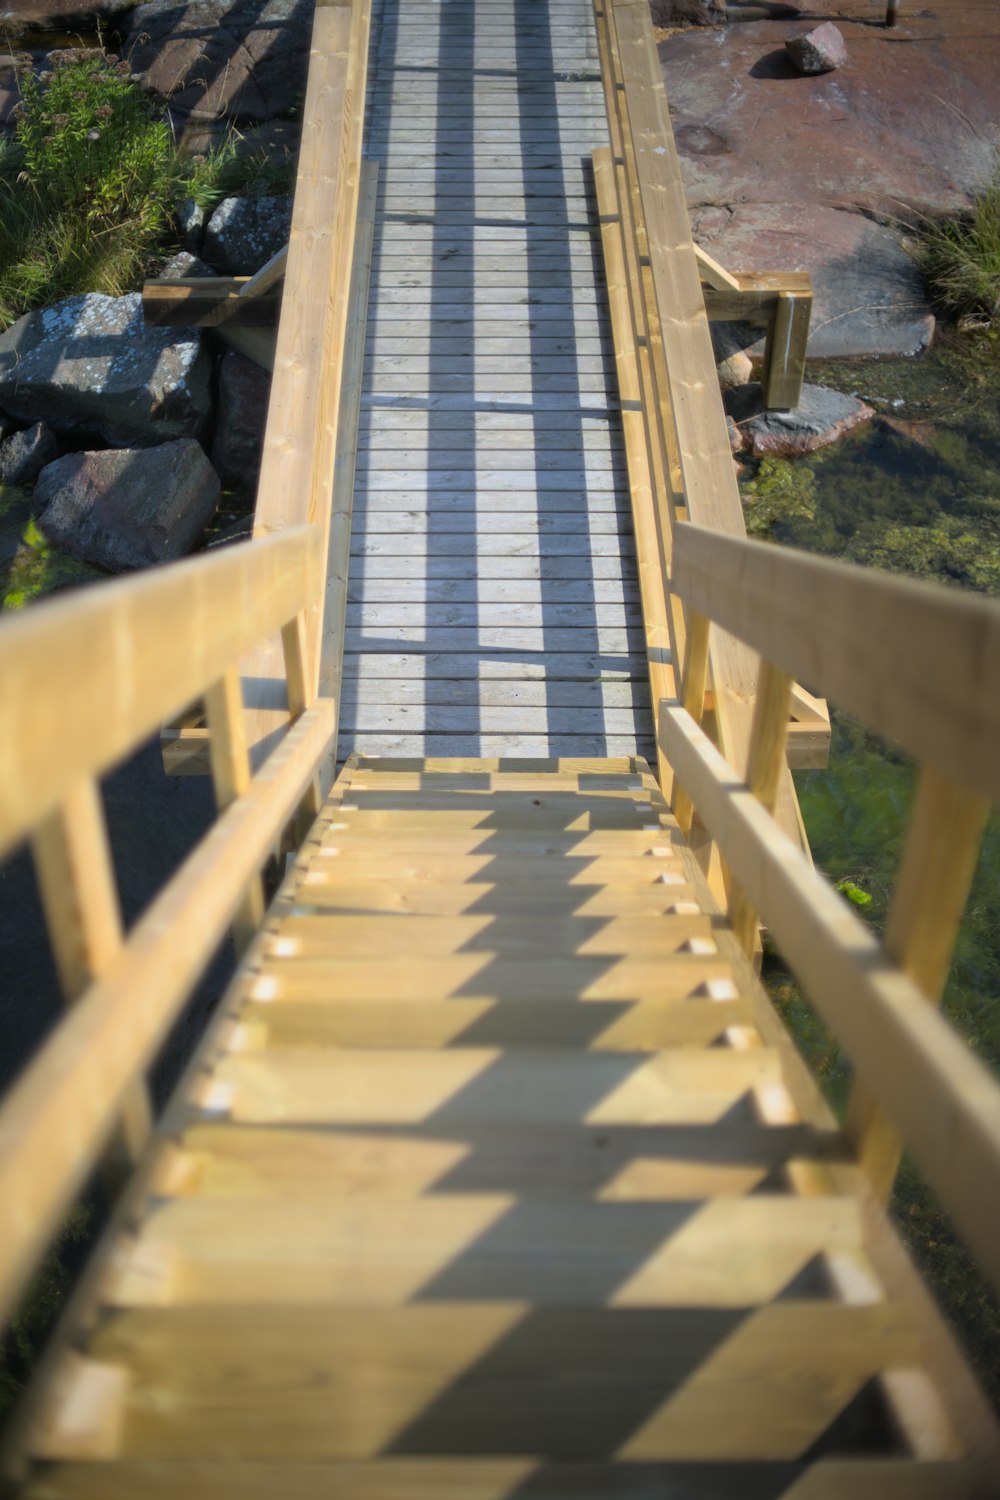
24,454
128,508
208,58
91,367
191,220
821,417
818,51
242,412
243,233
185,263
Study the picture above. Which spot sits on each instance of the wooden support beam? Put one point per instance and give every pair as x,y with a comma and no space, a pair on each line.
207,302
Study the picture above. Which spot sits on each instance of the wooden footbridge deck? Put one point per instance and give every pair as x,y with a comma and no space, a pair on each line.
496,1174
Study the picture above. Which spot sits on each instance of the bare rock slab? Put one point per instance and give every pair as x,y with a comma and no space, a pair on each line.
206,58
90,366
909,125
820,419
869,299
128,508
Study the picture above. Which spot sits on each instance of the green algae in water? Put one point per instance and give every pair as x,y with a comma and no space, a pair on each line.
916,492
30,566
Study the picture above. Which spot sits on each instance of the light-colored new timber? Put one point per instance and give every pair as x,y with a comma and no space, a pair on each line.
489,429
499,1160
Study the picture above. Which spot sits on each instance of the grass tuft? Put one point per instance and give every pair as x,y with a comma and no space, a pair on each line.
960,260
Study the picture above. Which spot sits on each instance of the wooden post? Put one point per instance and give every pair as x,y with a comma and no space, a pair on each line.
77,886
230,762
891,12
767,765
695,686
935,874
785,351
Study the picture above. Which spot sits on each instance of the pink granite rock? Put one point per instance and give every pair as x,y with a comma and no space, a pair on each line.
818,51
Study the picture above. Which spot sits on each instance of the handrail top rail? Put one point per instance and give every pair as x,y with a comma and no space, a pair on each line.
86,678
912,660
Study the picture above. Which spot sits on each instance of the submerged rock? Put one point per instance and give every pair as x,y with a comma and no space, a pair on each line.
128,508
821,417
23,455
91,367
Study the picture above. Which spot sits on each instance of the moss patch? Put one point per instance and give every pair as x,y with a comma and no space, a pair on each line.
30,566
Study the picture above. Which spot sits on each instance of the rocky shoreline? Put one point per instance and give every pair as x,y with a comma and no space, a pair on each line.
784,170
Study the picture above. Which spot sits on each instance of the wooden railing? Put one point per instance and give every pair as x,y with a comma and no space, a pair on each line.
112,663
677,447
922,666
307,468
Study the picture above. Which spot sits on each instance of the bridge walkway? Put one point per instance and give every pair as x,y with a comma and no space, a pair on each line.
497,1177
493,604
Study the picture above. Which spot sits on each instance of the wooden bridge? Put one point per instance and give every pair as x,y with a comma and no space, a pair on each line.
496,1174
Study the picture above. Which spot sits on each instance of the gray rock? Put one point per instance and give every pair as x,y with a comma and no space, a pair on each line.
128,507
191,219
242,412
24,454
820,419
243,233
818,51
184,263
243,58
91,367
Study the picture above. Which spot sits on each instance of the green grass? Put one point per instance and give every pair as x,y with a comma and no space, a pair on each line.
90,183
960,259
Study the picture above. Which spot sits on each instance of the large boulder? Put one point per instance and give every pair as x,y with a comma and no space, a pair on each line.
818,51
243,233
242,413
91,367
23,455
128,507
821,417
207,58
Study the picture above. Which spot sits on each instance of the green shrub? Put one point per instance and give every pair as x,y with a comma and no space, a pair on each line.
960,259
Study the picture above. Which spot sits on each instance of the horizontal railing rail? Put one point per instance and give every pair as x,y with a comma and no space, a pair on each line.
111,663
677,445
922,665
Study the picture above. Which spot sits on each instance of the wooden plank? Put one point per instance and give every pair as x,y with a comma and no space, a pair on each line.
331,662
649,1026
384,1253
487,1378
56,1116
941,1099
204,301
408,1086
817,619
630,1164
118,660
881,1478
